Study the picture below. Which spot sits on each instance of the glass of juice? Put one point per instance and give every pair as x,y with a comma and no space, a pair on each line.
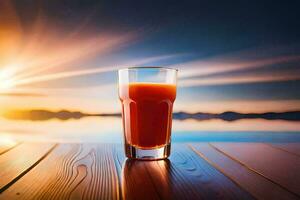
147,95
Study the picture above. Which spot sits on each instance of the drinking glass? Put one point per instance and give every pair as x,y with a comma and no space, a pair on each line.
147,95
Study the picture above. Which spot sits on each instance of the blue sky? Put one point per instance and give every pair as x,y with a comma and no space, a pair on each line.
228,53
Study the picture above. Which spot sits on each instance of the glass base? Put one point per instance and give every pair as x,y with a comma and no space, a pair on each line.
147,154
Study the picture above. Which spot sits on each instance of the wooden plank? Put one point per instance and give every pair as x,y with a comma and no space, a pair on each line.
16,162
184,176
71,171
137,182
119,157
254,183
293,148
278,166
4,147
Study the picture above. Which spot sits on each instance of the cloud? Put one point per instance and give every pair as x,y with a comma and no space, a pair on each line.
45,49
240,67
244,78
202,68
97,70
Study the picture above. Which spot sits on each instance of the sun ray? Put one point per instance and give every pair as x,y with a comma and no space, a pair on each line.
6,140
208,67
97,70
43,51
238,80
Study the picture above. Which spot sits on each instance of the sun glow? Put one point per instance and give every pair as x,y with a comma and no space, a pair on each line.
43,51
6,140
6,84
6,79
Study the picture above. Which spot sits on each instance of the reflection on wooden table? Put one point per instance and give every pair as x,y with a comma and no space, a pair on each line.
194,171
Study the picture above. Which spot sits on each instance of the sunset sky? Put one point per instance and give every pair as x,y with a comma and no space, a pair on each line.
241,56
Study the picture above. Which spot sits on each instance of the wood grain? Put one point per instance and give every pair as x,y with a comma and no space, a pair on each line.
101,171
17,161
71,171
278,166
254,183
7,147
293,148
184,176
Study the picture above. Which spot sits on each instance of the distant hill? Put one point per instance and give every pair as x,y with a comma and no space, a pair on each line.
40,115
232,116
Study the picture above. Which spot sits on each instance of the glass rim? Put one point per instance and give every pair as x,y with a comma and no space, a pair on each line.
148,67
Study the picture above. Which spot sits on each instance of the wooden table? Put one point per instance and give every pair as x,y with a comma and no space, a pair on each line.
194,171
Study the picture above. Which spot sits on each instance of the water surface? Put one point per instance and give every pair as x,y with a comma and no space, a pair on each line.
109,130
